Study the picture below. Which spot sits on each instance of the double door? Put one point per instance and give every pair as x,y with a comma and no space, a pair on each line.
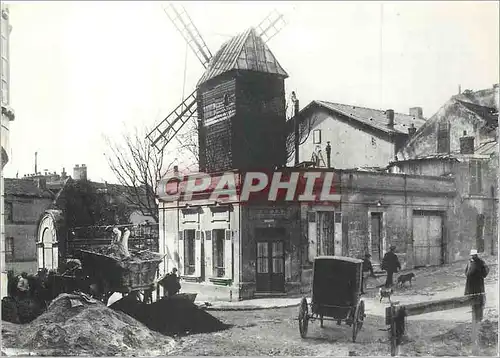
270,263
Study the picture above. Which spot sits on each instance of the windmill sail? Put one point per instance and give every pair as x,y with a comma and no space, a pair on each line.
182,22
270,26
164,132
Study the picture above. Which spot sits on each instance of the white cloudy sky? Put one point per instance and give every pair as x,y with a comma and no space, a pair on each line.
83,69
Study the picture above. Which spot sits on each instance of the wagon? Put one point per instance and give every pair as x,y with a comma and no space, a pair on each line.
336,288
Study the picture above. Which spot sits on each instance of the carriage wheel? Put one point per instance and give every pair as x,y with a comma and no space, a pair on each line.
359,317
303,318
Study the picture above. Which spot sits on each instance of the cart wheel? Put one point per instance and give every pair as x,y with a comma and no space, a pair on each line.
303,318
359,317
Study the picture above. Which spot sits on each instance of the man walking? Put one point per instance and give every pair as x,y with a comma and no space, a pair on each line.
476,271
367,271
390,264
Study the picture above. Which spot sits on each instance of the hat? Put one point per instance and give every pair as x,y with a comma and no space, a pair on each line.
473,252
368,255
393,247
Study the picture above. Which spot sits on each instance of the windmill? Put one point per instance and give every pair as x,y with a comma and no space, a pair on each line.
215,95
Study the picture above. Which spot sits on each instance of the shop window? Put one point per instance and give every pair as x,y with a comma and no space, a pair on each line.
218,252
189,252
9,249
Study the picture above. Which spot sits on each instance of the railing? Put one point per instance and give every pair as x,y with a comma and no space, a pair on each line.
142,237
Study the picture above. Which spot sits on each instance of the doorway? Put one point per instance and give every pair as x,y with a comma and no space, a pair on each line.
376,244
270,260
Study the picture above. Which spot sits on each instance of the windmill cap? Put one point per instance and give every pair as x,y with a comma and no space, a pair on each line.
473,252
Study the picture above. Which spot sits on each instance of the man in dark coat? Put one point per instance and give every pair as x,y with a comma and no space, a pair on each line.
476,271
390,264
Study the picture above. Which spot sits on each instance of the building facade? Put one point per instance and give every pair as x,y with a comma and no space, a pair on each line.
25,201
357,136
6,117
241,250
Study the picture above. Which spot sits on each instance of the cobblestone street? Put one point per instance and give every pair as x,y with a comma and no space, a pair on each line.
275,331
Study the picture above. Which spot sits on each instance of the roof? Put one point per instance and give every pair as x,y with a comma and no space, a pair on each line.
489,114
374,118
26,188
487,148
339,258
246,51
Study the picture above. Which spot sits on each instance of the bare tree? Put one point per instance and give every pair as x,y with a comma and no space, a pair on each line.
138,167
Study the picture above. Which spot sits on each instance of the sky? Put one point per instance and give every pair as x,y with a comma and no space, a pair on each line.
81,70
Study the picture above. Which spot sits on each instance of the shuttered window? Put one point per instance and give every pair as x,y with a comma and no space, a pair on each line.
475,185
218,246
9,249
189,252
443,137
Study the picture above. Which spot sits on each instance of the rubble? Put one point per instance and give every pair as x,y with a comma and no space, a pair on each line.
170,316
74,325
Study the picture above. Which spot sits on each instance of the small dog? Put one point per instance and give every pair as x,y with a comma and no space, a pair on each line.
406,278
385,293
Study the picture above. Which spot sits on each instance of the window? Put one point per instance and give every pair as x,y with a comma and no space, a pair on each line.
218,252
189,252
443,137
317,136
475,185
278,252
9,249
8,212
262,257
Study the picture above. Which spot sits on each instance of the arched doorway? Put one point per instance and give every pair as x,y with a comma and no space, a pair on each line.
47,249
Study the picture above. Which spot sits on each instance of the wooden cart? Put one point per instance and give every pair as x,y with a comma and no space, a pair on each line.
336,289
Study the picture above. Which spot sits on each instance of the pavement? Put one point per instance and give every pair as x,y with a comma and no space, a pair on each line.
250,305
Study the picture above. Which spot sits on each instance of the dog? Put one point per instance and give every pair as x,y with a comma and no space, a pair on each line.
406,278
385,293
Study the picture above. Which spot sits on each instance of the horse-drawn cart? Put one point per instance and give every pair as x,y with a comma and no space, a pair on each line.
336,291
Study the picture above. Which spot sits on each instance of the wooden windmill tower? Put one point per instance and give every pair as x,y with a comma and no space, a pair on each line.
240,99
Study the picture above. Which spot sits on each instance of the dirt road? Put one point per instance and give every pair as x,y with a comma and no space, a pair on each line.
275,332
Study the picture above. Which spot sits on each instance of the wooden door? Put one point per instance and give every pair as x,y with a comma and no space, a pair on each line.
376,237
326,232
270,260
427,239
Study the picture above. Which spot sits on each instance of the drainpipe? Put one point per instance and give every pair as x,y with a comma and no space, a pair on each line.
328,153
296,127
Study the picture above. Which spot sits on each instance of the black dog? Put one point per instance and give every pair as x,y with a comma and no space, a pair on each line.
406,278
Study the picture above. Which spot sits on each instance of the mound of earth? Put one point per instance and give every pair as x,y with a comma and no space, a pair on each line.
488,333
171,315
74,326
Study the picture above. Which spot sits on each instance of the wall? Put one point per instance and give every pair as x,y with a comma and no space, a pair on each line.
351,146
25,215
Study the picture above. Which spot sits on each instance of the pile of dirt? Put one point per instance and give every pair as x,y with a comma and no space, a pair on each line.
488,333
73,326
171,316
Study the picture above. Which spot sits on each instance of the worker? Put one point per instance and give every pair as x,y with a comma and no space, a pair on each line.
367,271
171,283
390,264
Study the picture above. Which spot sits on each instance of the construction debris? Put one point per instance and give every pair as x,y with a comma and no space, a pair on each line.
86,328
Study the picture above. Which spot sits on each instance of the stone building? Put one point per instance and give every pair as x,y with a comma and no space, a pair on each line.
240,250
7,116
358,136
25,200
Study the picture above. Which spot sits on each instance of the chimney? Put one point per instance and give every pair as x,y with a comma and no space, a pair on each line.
466,144
412,130
390,117
80,172
41,183
36,162
295,101
328,153
417,112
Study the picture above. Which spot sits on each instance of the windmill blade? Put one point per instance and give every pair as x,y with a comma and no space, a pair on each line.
164,132
271,26
182,22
